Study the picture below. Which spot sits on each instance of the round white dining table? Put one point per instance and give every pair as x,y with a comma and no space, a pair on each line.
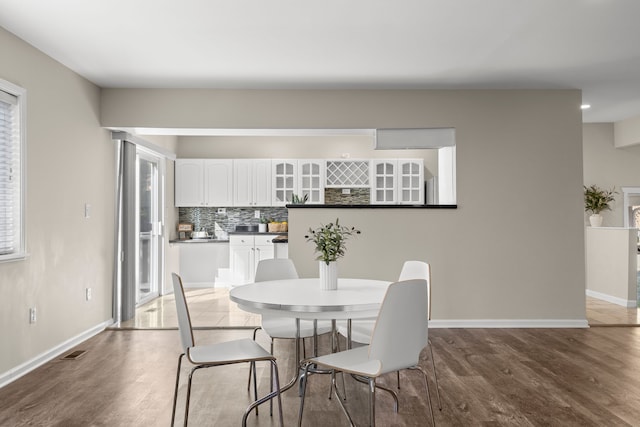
303,298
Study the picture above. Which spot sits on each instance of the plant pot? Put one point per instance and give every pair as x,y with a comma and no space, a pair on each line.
262,228
595,220
328,275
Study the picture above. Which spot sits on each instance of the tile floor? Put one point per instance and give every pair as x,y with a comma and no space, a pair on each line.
211,307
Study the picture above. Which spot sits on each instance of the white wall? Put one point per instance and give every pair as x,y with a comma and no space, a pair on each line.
514,248
611,258
70,162
607,166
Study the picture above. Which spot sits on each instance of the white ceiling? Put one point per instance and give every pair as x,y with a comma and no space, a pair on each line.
403,44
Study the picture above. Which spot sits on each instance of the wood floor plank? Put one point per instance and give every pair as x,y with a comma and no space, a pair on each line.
488,377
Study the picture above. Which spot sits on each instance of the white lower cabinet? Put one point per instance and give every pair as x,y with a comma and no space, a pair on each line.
245,252
202,263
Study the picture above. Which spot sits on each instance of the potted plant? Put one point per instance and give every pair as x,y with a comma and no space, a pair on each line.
330,241
298,200
597,200
262,227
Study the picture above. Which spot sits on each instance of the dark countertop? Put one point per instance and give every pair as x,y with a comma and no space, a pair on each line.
312,206
274,233
282,238
194,241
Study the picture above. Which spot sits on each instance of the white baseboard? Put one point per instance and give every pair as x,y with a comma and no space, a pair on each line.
199,284
614,300
509,323
42,358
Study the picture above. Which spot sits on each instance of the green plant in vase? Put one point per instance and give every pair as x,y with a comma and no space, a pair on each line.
597,200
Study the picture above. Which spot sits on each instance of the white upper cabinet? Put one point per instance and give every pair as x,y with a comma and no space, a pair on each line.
218,177
397,181
347,173
311,180
203,182
252,182
410,181
384,181
189,182
284,184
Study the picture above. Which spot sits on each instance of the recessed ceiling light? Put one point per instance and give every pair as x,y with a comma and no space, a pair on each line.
585,106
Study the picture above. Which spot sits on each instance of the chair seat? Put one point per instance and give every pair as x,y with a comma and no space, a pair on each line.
228,352
361,330
354,361
285,327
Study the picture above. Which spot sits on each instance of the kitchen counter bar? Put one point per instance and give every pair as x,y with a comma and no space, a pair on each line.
378,206
197,241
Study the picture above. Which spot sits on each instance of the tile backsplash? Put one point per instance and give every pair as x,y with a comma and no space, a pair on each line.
208,217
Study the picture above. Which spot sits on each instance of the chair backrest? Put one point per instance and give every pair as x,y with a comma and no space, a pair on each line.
417,270
275,269
184,320
400,333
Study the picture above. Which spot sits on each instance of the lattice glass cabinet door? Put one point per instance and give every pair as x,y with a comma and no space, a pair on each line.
284,181
311,180
411,181
383,182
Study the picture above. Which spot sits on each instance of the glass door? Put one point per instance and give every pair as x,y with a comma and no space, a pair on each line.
149,226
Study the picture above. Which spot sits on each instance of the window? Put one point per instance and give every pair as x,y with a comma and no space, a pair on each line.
12,162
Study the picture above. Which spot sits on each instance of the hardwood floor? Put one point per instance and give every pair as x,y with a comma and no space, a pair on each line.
603,313
498,377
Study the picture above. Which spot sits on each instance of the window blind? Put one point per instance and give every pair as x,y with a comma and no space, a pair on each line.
10,176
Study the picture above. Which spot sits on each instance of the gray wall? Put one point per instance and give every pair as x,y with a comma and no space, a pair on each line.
608,166
514,249
70,162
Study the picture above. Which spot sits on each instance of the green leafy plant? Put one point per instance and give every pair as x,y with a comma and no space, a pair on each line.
597,199
330,240
264,220
297,200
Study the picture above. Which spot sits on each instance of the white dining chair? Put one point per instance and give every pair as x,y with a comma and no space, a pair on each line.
283,327
361,329
399,335
224,353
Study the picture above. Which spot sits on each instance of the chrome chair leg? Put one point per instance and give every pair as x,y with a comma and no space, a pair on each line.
435,376
304,391
398,379
175,393
372,402
252,368
270,396
186,408
426,381
255,330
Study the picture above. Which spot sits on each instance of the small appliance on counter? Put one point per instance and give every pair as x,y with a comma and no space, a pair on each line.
184,231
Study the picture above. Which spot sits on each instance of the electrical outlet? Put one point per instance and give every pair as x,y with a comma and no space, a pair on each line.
222,211
346,191
256,214
87,294
32,315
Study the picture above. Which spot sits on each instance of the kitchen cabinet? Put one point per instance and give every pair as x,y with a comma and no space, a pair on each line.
300,177
201,263
311,180
410,181
203,182
397,181
252,182
284,184
245,252
347,173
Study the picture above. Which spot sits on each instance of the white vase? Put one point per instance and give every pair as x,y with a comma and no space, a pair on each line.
595,220
328,276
